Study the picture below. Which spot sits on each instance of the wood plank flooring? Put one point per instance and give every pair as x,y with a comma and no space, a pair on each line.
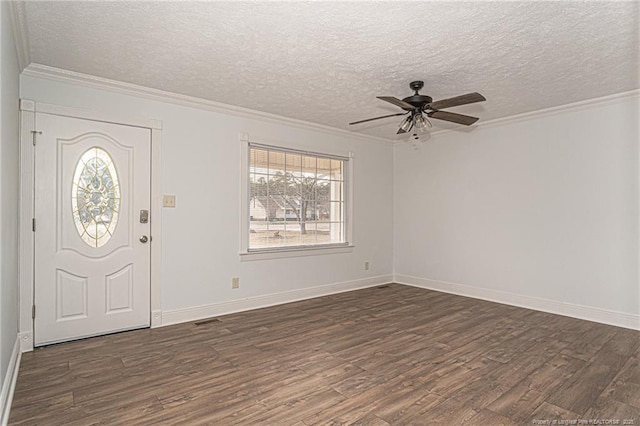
394,355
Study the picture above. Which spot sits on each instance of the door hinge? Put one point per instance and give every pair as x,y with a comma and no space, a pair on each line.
34,133
33,225
33,311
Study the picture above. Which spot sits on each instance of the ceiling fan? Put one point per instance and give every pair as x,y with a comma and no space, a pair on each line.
417,106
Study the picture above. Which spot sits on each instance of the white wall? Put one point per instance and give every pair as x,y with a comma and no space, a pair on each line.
542,209
201,166
540,212
8,193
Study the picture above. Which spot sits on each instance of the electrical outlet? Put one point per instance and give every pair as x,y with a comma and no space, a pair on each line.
366,265
235,282
168,201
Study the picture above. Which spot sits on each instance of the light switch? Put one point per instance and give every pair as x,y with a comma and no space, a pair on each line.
169,201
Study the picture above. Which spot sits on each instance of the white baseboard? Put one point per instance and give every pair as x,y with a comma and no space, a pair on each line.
207,311
619,319
9,383
26,341
156,318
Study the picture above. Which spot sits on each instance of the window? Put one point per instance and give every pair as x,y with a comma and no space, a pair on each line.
296,199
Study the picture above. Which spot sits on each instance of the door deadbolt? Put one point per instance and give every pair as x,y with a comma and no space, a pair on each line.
144,216
144,239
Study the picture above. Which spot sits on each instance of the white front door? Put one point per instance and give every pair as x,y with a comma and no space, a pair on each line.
92,250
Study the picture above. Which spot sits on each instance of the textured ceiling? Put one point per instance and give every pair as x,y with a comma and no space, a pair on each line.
325,62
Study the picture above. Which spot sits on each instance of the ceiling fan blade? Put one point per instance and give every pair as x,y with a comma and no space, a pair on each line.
378,118
453,117
469,98
397,102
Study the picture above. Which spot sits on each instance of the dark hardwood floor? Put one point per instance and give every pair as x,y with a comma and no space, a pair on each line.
394,355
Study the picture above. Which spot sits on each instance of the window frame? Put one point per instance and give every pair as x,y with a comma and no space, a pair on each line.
293,250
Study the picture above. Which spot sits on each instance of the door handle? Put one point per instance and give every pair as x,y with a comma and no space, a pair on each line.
144,239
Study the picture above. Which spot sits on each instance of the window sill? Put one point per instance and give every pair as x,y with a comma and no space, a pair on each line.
293,252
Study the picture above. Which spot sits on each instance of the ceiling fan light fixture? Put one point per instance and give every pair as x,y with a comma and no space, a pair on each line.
422,123
406,125
422,126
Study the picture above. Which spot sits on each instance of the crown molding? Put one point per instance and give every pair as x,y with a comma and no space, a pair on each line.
20,33
546,112
66,76
86,80
571,107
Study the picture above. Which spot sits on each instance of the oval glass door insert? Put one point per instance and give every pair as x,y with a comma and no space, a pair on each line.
95,197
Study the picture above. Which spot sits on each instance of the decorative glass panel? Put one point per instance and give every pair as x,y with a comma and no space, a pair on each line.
95,197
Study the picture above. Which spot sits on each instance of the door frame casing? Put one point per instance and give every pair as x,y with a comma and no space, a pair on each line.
28,110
